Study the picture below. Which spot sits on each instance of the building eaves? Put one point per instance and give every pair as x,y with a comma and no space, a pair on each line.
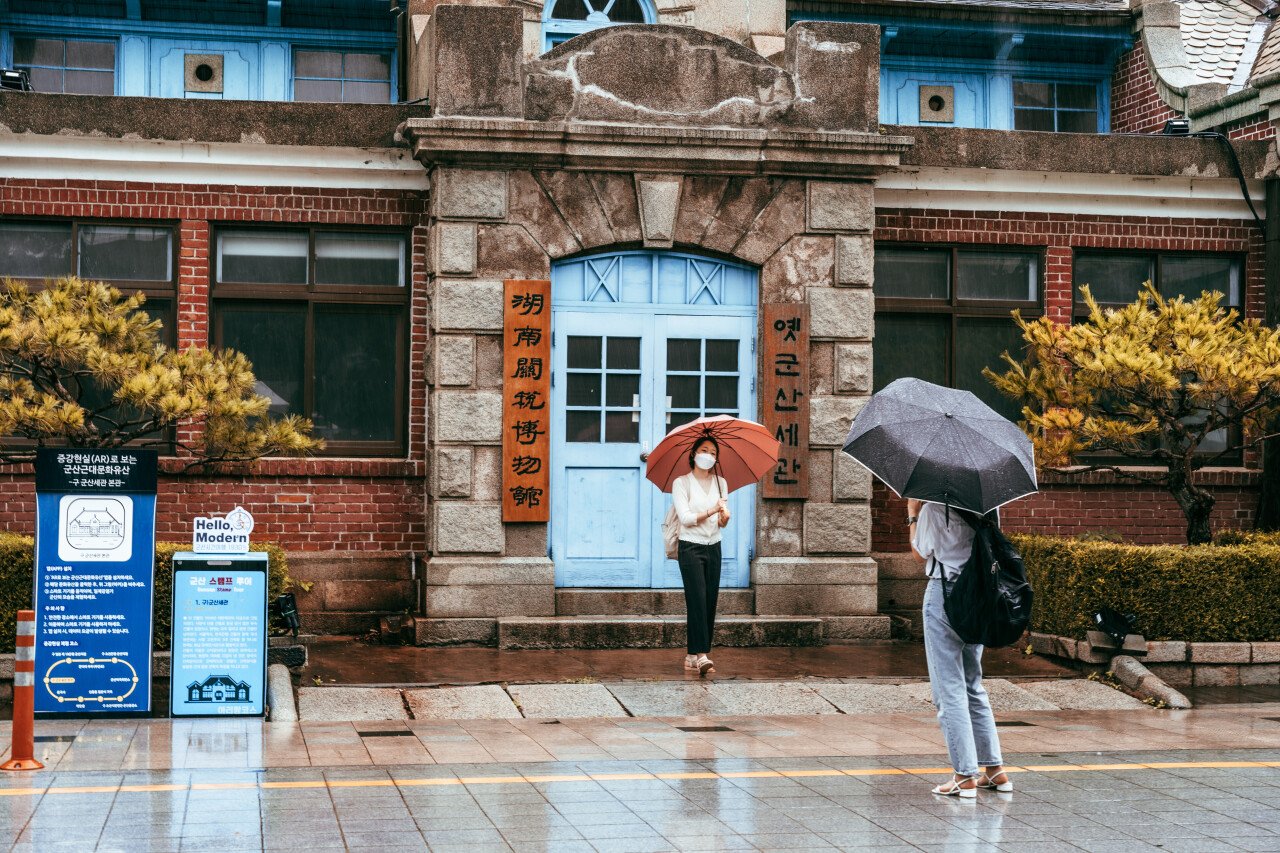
1078,13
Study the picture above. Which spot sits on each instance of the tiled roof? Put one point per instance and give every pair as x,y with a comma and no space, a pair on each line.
1268,60
1048,6
1215,34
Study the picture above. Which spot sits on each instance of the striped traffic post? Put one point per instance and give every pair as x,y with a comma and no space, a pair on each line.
22,753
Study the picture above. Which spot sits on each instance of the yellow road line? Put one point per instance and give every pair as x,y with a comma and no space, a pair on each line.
640,776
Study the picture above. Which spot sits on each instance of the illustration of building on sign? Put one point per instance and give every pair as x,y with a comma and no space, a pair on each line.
218,688
96,524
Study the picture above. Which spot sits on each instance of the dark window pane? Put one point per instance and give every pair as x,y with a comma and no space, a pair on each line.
980,341
48,80
999,276
1077,96
1191,276
625,12
910,345
1033,120
1112,278
583,390
621,428
570,10
676,419
913,273
622,390
89,83
684,354
91,54
366,66
273,340
359,259
1077,122
323,91
685,392
624,354
722,392
355,375
162,310
35,249
366,93
582,426
1028,93
126,253
29,51
584,352
263,257
317,63
722,356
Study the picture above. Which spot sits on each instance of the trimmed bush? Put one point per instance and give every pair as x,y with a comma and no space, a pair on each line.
1202,593
17,560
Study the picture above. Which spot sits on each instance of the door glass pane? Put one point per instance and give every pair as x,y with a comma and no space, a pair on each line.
584,389
1191,276
998,276
355,375
684,354
262,257
913,273
621,428
622,390
722,356
685,392
910,345
359,259
273,340
675,419
624,353
722,392
584,352
126,253
582,426
980,341
35,249
1112,278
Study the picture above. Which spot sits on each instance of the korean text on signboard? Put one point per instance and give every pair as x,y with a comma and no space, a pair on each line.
785,397
526,391
94,572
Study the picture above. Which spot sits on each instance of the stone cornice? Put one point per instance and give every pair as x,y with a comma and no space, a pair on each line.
514,143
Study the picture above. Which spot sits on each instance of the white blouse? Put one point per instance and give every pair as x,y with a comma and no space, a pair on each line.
692,500
942,543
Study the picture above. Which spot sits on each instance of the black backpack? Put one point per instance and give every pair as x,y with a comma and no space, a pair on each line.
990,600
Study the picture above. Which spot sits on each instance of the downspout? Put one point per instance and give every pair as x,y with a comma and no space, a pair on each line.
1268,515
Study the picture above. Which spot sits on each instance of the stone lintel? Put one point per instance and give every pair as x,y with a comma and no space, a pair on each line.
506,144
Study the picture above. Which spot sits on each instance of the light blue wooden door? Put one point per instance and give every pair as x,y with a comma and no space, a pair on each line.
240,72
641,342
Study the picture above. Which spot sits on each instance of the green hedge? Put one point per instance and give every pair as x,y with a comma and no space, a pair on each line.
17,560
1226,592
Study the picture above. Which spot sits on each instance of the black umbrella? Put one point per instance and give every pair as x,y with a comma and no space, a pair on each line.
942,445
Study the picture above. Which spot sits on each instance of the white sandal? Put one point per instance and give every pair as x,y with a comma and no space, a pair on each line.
954,789
705,665
990,783
691,663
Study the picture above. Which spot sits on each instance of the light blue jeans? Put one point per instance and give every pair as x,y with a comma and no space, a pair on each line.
955,674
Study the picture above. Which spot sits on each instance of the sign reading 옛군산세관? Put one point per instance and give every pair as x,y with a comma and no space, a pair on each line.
94,572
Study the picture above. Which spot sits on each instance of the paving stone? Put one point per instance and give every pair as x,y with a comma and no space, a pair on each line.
869,698
1083,695
482,702
320,704
761,699
566,700
667,699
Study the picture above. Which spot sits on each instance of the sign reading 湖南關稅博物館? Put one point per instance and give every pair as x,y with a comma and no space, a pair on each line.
227,534
94,573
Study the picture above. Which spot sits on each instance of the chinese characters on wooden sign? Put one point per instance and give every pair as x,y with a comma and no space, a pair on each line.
785,397
526,409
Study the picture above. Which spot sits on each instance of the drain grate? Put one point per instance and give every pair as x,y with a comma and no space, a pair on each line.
386,733
1009,723
552,723
704,728
54,738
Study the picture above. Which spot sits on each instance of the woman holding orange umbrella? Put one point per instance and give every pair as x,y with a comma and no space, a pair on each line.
700,463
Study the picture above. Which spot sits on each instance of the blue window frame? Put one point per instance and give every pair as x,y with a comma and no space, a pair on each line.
1055,106
341,77
67,66
564,19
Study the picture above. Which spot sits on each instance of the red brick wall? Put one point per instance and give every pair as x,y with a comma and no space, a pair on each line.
1144,514
1136,106
1250,129
305,505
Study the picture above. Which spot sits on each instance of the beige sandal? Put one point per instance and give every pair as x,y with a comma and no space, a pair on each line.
955,788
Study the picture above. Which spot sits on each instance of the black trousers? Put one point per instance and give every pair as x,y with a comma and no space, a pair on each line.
700,571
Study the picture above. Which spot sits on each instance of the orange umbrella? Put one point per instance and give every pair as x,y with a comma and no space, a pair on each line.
747,451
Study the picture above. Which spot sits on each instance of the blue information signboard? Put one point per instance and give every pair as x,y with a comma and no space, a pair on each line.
95,566
219,664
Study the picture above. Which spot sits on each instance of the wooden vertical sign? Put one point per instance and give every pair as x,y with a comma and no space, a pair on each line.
526,406
784,394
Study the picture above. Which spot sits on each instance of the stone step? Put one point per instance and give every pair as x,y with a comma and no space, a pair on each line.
644,602
652,632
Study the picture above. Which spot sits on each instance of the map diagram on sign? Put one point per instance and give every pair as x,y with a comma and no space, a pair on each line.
95,529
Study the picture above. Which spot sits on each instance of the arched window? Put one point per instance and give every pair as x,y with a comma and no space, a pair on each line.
564,19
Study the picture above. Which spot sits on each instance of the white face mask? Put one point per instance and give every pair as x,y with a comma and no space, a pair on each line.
705,461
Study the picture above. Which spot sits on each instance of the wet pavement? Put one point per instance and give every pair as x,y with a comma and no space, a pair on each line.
346,661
